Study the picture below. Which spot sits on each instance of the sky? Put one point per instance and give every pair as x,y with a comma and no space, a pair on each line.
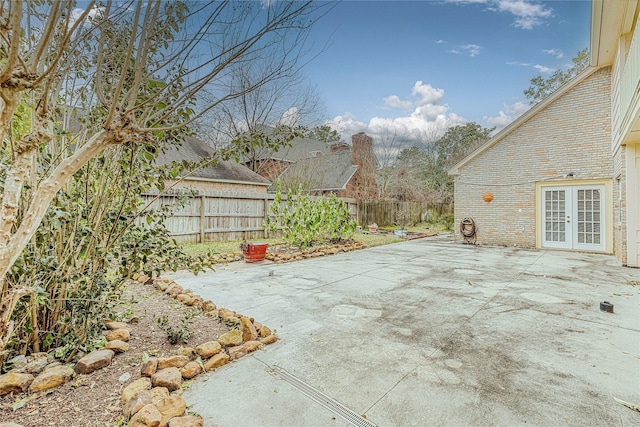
415,68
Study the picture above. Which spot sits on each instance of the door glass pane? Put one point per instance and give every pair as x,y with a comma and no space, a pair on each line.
589,215
555,216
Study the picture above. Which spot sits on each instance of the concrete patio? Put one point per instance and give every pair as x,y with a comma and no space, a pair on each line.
427,333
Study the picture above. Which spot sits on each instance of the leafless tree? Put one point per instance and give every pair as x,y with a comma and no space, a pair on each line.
288,101
136,68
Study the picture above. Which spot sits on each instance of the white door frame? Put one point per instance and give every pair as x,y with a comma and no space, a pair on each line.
577,229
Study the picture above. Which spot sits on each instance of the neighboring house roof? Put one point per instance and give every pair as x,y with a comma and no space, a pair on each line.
195,150
323,173
455,170
301,148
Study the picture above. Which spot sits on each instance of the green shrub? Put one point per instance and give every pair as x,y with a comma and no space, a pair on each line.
305,222
446,219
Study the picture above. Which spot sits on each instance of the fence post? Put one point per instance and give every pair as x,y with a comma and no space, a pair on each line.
266,217
201,224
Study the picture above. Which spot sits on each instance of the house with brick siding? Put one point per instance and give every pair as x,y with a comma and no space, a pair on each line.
346,171
566,174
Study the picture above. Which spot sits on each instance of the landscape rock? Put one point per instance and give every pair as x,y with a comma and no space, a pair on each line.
216,361
170,407
149,367
225,314
177,361
18,362
163,284
258,326
231,338
119,334
185,298
135,387
142,278
265,331
52,377
186,421
236,352
51,365
252,345
268,340
168,377
208,306
208,349
174,289
117,345
142,398
114,326
249,332
36,363
14,382
157,394
197,302
93,361
11,424
148,416
190,370
190,352
133,405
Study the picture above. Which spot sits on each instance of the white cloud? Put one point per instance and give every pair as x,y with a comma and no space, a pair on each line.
394,101
507,115
554,52
519,64
541,68
76,14
290,117
429,118
528,14
440,41
427,93
544,69
469,49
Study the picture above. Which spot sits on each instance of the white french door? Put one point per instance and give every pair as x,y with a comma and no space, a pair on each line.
573,217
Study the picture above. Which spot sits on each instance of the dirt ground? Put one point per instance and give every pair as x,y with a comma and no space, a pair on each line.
94,399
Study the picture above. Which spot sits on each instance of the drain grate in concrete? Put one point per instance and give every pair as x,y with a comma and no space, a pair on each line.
337,408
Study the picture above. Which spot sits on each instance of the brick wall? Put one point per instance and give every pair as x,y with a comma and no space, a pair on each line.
363,185
572,134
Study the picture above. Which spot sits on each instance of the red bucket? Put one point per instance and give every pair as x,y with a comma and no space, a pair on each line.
255,252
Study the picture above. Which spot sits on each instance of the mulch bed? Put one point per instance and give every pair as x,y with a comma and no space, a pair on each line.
94,399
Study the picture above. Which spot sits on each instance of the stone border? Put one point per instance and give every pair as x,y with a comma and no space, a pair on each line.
279,258
155,398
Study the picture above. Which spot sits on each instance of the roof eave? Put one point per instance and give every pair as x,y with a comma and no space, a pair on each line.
225,181
609,21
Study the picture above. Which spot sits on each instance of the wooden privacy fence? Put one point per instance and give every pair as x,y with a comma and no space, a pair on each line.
392,212
219,216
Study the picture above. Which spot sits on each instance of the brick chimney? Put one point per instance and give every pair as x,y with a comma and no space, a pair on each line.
363,156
